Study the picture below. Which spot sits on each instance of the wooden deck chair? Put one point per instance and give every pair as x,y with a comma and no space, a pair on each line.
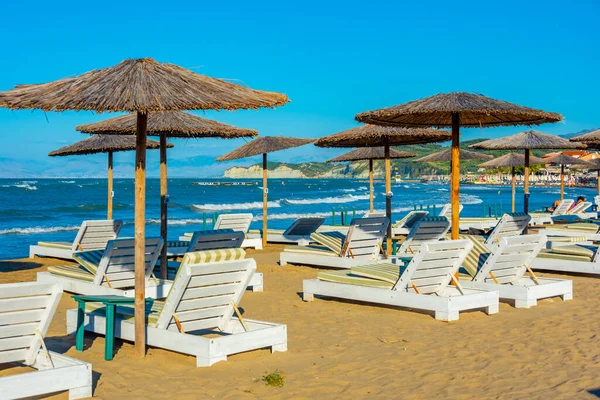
423,284
428,229
446,210
26,312
512,224
110,271
297,233
237,222
92,235
361,245
403,226
563,207
206,240
588,230
505,267
580,209
574,258
197,318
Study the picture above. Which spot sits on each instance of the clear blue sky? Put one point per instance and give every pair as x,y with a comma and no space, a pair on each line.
333,59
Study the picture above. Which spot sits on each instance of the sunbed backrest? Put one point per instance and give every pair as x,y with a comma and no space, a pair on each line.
216,239
563,207
304,226
203,293
373,214
364,237
509,225
94,235
237,222
410,219
447,210
431,269
580,208
508,262
117,266
597,200
428,229
26,310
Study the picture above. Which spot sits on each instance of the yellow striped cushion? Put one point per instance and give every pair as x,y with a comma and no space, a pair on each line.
126,312
568,257
208,256
317,250
332,240
386,272
72,271
349,278
89,259
575,250
570,239
476,257
57,245
582,226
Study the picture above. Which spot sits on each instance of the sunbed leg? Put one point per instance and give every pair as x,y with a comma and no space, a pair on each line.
31,252
308,296
567,296
525,303
257,288
489,310
446,315
83,392
282,260
279,347
207,362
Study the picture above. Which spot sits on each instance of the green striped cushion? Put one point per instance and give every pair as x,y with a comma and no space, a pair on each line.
593,228
318,250
89,259
476,257
208,256
57,245
567,257
72,271
126,312
576,250
386,272
570,239
331,239
349,278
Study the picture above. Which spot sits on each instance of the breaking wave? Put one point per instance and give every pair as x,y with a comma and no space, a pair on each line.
348,198
254,205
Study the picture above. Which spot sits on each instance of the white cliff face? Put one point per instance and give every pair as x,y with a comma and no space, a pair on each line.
359,170
255,171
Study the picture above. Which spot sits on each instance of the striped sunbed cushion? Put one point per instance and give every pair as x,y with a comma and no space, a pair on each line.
477,256
349,278
269,231
386,272
89,259
72,271
318,250
126,312
580,226
208,256
566,257
57,245
331,239
570,239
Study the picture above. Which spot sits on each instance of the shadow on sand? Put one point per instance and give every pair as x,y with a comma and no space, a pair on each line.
12,266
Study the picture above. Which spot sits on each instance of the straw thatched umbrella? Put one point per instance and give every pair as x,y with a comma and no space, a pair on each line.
562,160
104,144
591,164
592,141
528,140
263,145
511,160
141,86
374,136
446,156
370,154
168,124
455,110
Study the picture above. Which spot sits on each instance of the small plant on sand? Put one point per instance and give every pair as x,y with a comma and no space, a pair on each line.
276,379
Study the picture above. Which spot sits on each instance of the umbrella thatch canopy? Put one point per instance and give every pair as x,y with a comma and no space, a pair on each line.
455,110
263,145
372,136
446,156
527,141
104,144
168,124
591,139
141,86
562,160
591,164
511,160
371,153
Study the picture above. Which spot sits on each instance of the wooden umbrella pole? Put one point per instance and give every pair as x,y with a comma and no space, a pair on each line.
265,200
562,181
388,196
526,184
163,204
110,185
371,194
140,240
455,175
598,181
514,183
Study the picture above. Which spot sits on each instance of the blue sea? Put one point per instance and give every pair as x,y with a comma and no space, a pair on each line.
53,209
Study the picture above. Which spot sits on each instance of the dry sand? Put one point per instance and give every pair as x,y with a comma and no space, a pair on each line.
345,350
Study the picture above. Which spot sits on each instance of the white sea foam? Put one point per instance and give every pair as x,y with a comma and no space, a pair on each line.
28,185
184,221
348,190
254,205
67,181
363,188
348,198
37,230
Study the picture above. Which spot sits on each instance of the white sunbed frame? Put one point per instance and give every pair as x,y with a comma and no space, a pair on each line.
204,299
404,226
510,225
569,266
427,229
116,272
27,309
209,240
92,235
297,233
430,271
505,268
362,245
237,222
446,210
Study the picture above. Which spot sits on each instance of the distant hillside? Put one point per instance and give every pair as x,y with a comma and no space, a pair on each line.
583,132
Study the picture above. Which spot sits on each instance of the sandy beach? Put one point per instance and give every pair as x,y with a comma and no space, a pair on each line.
341,349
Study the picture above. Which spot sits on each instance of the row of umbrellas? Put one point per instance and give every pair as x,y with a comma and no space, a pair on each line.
146,88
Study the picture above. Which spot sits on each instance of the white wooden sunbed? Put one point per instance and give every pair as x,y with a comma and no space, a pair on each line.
206,240
423,284
109,271
512,224
403,226
197,316
26,311
427,229
503,269
92,235
237,222
446,210
589,231
362,244
575,258
297,233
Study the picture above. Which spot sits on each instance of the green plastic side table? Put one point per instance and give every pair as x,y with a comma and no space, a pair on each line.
110,302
